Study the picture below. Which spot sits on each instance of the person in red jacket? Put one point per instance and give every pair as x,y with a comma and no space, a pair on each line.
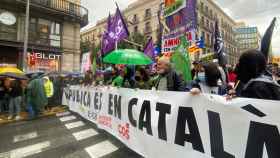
232,77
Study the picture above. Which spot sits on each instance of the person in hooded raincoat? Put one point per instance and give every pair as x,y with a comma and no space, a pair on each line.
36,97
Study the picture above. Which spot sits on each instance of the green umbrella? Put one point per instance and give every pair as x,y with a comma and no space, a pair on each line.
127,57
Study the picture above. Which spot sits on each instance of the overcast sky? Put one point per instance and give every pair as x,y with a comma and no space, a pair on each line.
253,12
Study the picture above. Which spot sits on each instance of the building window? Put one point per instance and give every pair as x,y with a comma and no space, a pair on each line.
44,28
208,39
207,23
201,6
202,20
55,35
216,17
206,9
148,28
135,29
44,32
148,13
203,34
135,19
211,26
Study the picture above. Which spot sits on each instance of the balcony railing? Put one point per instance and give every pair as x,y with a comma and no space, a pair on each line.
64,6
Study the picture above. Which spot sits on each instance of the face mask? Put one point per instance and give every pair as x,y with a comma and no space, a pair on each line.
201,76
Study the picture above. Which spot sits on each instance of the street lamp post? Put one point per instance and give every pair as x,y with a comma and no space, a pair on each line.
26,32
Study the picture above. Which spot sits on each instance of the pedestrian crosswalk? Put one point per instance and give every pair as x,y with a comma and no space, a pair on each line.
67,118
101,149
65,135
63,114
29,150
74,125
85,134
19,138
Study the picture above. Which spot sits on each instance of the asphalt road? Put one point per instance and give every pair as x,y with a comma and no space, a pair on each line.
63,136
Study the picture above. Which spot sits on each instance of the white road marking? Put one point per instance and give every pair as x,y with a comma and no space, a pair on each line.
29,150
20,138
67,118
85,134
74,124
63,114
101,149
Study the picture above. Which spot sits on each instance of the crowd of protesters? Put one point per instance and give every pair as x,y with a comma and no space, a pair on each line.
252,77
33,95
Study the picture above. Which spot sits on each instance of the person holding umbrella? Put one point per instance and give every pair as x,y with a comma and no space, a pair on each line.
130,58
15,93
2,95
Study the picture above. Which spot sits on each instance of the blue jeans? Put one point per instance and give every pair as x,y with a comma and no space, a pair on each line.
30,110
33,111
15,106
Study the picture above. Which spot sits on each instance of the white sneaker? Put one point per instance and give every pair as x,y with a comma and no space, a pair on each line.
10,117
18,117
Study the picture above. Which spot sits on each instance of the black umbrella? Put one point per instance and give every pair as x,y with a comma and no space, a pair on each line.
32,74
14,75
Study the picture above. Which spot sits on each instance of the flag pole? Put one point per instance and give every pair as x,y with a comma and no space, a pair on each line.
133,43
116,45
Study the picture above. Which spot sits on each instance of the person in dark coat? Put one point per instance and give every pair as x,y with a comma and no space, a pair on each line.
15,93
2,95
251,74
167,79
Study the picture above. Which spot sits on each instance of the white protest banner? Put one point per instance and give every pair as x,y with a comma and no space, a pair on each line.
176,124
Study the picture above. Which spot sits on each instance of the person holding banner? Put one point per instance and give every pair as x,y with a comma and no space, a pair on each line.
208,81
252,79
167,79
141,79
119,80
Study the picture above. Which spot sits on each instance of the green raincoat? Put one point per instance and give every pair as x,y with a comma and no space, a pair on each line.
36,95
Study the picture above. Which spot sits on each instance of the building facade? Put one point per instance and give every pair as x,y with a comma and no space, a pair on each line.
208,13
248,38
54,31
142,16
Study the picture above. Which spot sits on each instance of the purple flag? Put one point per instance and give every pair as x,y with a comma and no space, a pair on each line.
107,44
118,30
185,17
149,49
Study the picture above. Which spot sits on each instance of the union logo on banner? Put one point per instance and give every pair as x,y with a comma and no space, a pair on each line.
173,6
